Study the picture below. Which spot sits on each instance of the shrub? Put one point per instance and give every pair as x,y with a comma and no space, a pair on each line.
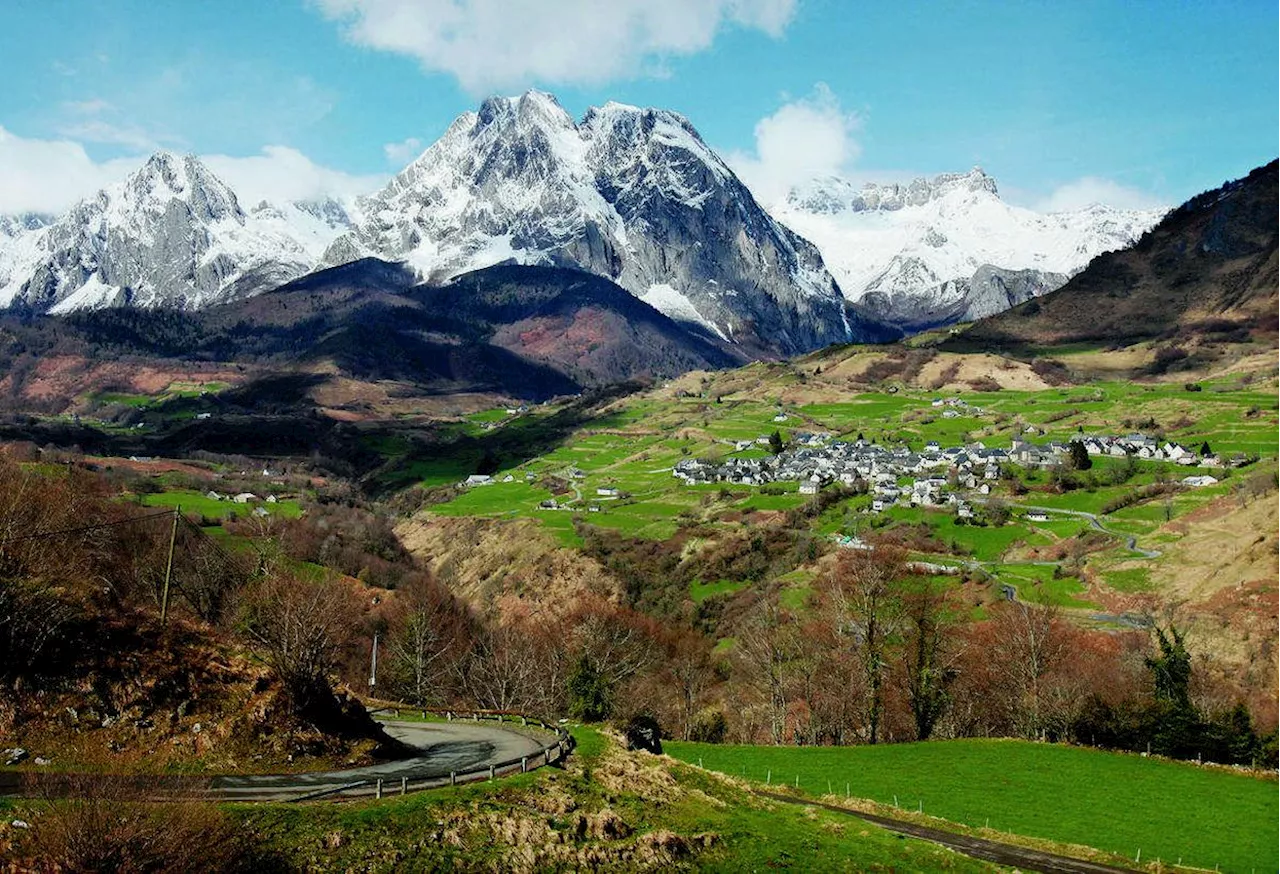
103,828
709,726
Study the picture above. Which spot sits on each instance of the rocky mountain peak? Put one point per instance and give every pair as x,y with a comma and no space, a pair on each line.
631,194
833,194
166,176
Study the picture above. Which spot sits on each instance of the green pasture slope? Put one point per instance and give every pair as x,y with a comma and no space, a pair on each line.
634,448
1119,803
195,502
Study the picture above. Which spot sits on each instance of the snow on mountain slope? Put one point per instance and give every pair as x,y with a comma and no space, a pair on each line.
912,252
17,243
631,194
170,234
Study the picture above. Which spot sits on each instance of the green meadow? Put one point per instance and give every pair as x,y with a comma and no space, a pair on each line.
1119,803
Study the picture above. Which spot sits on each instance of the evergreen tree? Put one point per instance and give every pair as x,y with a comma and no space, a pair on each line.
1079,457
1171,668
590,694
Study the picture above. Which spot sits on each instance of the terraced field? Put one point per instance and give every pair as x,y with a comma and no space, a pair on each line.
631,450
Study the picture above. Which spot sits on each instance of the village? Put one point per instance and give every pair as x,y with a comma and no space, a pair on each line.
935,476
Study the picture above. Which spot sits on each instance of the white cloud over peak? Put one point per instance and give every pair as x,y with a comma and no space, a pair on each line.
499,44
403,152
48,176
807,137
280,174
1093,189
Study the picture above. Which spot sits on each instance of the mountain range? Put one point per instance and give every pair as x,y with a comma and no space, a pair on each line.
1202,279
628,194
949,249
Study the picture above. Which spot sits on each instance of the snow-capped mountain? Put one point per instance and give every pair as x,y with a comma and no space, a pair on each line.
170,234
948,249
631,194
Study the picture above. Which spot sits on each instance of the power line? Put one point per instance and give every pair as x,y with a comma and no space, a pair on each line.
80,528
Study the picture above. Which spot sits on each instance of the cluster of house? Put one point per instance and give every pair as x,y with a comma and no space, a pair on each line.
955,408
1145,447
243,498
815,461
938,474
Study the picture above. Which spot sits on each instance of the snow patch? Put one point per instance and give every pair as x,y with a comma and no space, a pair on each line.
673,304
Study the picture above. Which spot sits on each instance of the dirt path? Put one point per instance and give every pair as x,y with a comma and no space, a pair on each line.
1012,856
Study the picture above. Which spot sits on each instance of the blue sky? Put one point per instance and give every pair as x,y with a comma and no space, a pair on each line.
1130,102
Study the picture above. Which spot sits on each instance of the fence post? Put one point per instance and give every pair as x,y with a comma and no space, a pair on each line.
491,772
524,764
453,778
378,791
404,785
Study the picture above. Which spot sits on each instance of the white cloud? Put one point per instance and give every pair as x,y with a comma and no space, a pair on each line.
97,121
403,152
282,174
99,130
808,137
50,175
499,44
1093,189
92,106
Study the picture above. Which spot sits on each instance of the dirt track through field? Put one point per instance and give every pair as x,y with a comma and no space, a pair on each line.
1021,858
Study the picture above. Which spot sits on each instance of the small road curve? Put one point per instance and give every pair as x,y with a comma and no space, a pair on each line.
459,747
443,747
1022,858
1130,541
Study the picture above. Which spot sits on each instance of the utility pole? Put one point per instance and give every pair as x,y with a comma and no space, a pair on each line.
373,670
168,568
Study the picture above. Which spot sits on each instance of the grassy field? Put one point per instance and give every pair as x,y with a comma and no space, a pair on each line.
195,502
1114,802
636,443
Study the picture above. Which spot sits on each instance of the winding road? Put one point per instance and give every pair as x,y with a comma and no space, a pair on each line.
1129,540
443,747
463,748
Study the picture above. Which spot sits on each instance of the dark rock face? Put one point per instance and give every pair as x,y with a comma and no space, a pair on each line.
989,291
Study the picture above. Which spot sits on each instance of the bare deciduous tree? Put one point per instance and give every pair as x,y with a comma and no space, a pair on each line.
765,648
926,656
861,595
301,627
1029,644
428,635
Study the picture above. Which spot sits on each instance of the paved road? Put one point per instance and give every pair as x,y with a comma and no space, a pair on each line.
1021,858
442,747
1130,541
